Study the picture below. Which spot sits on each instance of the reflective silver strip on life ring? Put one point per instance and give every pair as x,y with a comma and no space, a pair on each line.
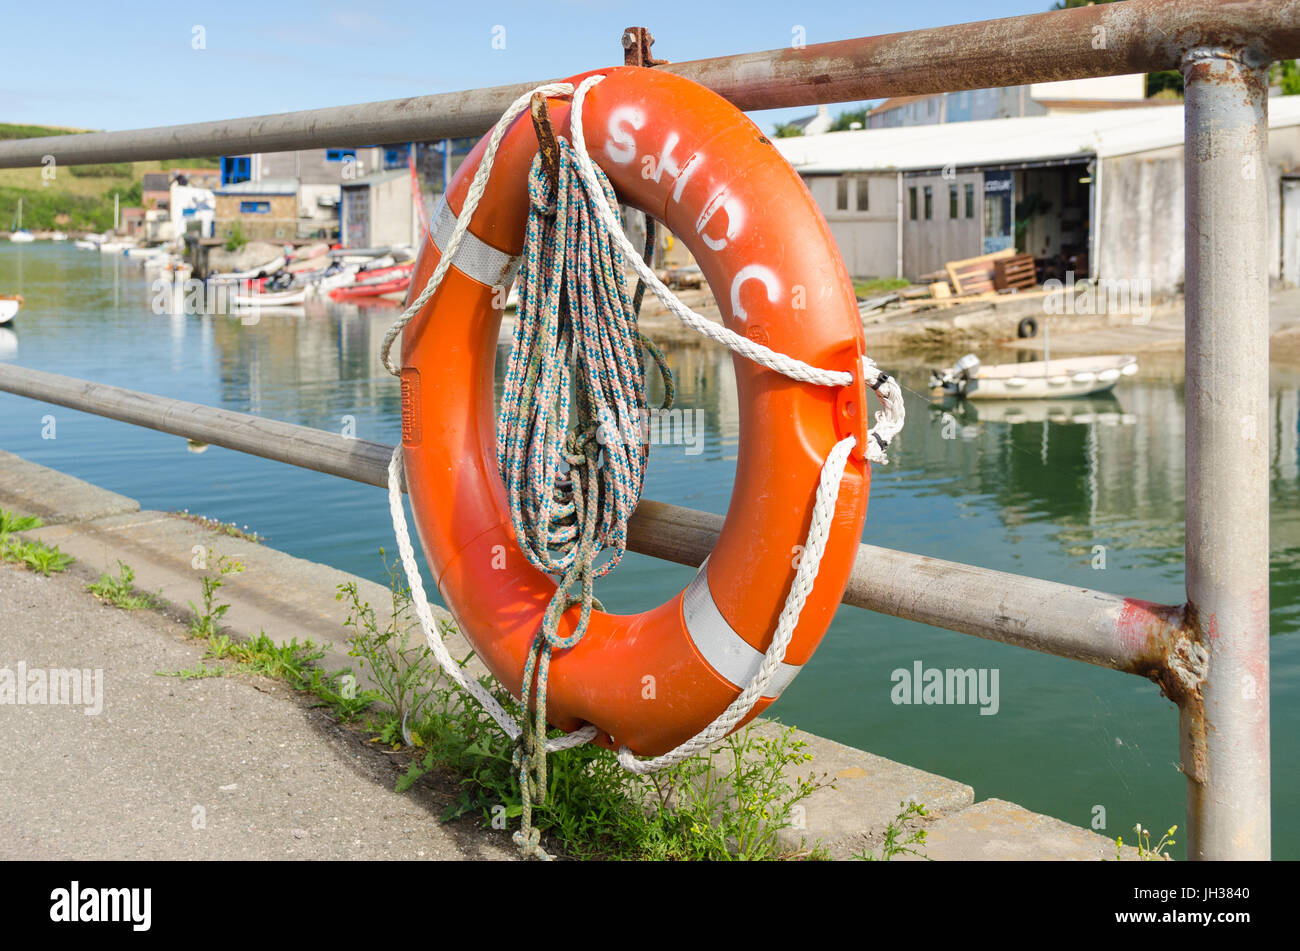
474,258
729,654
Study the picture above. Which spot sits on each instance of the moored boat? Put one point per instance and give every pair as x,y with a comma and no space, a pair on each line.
372,288
263,270
273,299
18,234
9,307
1038,379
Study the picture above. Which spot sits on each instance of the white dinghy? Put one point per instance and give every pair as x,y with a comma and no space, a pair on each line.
1036,380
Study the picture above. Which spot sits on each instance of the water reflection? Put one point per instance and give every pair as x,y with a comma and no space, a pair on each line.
1106,470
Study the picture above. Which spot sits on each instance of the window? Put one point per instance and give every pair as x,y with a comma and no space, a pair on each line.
952,201
841,194
929,202
911,197
254,207
340,155
970,200
863,193
235,169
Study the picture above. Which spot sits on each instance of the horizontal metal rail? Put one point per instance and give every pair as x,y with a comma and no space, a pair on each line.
1103,629
1107,39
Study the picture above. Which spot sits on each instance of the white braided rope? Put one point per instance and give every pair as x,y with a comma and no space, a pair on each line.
476,690
828,491
888,422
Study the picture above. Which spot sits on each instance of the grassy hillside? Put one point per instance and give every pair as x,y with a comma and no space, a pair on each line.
79,197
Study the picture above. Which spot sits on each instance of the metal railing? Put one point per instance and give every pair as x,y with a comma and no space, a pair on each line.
1209,655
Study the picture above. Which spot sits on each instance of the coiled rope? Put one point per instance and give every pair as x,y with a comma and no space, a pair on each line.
574,311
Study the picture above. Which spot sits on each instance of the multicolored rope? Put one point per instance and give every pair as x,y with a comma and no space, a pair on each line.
570,434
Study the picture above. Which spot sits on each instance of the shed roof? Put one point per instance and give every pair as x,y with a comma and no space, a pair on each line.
375,178
1105,134
267,186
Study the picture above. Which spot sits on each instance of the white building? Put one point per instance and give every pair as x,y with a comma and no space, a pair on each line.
1099,193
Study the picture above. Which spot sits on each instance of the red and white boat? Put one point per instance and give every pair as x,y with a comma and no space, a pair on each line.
376,281
373,288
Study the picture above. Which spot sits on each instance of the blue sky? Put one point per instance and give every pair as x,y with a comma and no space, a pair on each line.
133,64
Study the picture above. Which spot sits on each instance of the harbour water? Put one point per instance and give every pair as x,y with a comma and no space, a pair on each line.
1086,493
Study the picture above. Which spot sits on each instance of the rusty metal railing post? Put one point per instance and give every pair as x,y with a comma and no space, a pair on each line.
1225,725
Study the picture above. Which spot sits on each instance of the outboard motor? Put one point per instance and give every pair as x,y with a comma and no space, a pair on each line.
964,371
956,379
967,367
282,280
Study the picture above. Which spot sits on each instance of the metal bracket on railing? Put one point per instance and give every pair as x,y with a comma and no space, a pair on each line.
546,143
637,41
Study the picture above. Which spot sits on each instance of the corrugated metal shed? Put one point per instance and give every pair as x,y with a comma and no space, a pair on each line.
1105,134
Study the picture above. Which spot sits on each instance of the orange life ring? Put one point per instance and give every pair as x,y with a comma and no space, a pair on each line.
690,159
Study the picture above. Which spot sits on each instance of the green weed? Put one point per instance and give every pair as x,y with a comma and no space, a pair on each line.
289,661
730,803
120,591
198,672
898,840
11,522
207,620
35,555
221,528
1146,852
403,668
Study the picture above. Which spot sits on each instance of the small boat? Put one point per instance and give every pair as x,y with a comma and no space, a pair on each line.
175,272
274,299
365,253
1039,379
18,234
58,236
270,267
380,274
326,279
86,244
157,262
9,306
307,252
372,289
114,247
